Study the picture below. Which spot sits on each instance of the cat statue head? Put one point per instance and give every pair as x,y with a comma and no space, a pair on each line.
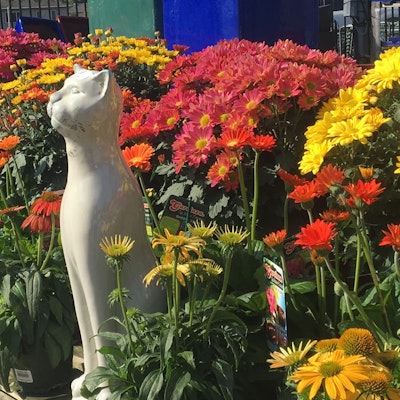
89,102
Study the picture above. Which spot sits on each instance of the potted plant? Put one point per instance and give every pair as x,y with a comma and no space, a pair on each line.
37,318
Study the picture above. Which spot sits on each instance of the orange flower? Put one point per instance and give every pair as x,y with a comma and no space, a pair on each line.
138,156
234,139
365,192
4,157
290,179
366,172
329,176
275,238
37,223
262,142
317,236
10,210
304,193
392,237
9,142
48,203
334,215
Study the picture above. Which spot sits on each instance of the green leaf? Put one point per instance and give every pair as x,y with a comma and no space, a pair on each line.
96,377
113,351
62,336
223,372
254,301
33,293
176,384
166,340
56,308
151,385
53,350
5,288
303,287
188,356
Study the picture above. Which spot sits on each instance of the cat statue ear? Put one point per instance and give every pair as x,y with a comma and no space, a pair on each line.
106,80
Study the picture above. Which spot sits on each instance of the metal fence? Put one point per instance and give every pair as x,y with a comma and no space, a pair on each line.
11,10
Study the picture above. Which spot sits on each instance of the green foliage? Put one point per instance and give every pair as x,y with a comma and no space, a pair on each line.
202,353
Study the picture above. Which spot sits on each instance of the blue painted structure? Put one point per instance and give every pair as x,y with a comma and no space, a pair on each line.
198,24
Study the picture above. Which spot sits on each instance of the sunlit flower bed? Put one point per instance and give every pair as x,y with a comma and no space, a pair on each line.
292,148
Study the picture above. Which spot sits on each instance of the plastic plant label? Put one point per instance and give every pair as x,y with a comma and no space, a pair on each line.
23,375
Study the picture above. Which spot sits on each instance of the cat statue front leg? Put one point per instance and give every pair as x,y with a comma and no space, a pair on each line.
101,199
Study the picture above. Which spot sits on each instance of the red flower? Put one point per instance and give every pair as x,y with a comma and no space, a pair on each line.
304,193
366,192
290,179
233,139
48,203
37,223
262,142
275,238
138,156
329,176
317,236
4,157
335,215
392,237
223,171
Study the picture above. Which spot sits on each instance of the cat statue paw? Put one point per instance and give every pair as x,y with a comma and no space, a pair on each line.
101,199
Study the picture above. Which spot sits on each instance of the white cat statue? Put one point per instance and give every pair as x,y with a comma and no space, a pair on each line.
101,198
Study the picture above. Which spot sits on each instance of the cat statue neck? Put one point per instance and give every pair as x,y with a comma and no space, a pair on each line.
101,199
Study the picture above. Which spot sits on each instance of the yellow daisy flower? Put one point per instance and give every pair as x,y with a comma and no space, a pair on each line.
231,236
200,229
117,246
163,272
180,243
290,356
333,372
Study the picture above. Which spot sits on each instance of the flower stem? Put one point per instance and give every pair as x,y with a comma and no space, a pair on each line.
144,191
287,284
255,196
358,265
357,303
227,272
175,289
243,191
192,300
396,264
51,245
15,229
122,304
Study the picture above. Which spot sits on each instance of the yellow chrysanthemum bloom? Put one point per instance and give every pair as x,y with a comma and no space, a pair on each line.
345,132
200,229
117,246
314,157
333,372
179,243
290,357
316,133
163,272
358,341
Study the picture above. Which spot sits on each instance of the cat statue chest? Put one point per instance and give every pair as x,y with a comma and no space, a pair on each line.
101,199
